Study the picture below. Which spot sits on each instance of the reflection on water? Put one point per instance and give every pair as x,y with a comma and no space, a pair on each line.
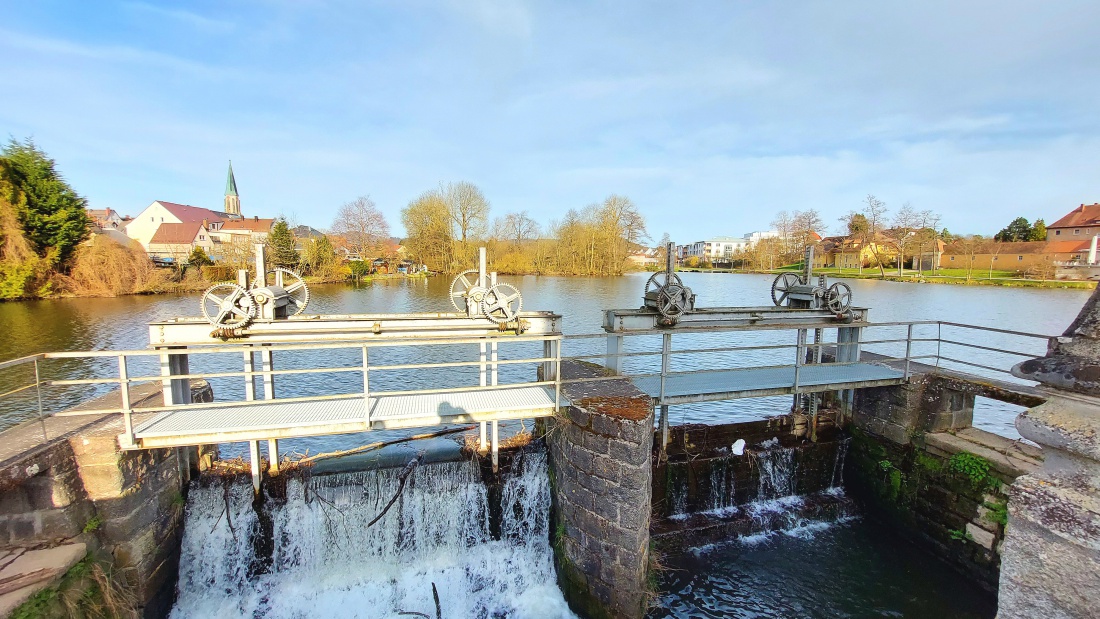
844,570
100,324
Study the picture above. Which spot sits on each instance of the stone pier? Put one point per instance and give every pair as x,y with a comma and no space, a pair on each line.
600,453
78,487
1051,562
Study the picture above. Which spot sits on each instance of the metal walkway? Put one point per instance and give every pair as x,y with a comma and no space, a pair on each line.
714,385
276,419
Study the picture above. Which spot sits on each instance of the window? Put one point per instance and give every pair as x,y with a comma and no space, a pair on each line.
1077,231
202,238
151,218
1057,233
952,258
1019,258
994,258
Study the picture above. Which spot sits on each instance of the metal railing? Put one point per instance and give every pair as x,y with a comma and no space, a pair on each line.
929,344
121,380
845,348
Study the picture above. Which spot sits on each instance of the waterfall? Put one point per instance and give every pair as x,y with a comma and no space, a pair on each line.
721,498
837,480
326,561
778,473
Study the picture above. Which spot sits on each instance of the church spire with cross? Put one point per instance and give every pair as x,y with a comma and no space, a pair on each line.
232,200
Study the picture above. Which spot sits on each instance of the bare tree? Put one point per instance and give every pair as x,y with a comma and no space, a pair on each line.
427,222
363,227
517,228
784,225
804,225
905,225
928,234
469,211
866,227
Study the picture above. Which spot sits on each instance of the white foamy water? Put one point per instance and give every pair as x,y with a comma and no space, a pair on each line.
328,563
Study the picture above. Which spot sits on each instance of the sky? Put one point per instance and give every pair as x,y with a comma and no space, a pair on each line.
709,116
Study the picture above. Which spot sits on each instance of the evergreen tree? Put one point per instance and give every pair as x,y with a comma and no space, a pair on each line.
198,258
1038,231
280,242
52,214
1018,230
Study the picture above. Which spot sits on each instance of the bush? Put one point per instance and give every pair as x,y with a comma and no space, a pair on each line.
219,273
105,268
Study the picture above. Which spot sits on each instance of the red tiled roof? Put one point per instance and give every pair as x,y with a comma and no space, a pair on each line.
184,233
187,213
1068,247
1026,247
254,225
1084,215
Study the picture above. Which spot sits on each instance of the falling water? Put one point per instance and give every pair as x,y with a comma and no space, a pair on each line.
722,497
327,561
778,473
837,479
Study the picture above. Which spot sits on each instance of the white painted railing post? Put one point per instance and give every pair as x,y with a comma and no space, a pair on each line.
366,387
38,389
614,359
124,393
666,353
908,350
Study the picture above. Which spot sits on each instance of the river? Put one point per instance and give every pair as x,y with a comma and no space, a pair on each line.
327,565
120,323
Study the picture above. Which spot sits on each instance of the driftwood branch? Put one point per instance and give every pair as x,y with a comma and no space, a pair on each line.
381,444
401,479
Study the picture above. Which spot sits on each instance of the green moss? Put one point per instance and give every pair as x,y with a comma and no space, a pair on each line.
974,468
998,512
931,464
959,535
93,524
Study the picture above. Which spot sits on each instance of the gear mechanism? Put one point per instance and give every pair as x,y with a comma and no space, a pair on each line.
466,286
502,303
228,306
296,289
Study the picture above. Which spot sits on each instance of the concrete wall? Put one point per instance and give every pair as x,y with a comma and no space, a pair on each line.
600,466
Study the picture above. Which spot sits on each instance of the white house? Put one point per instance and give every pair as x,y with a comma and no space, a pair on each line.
143,227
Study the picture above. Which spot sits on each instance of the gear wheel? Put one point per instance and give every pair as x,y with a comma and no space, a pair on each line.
839,298
296,289
228,306
502,303
468,289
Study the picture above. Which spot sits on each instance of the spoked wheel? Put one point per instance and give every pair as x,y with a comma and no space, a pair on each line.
228,305
296,289
662,279
839,298
673,300
502,303
466,286
781,287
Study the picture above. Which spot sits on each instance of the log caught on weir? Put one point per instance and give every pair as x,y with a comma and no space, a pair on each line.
381,444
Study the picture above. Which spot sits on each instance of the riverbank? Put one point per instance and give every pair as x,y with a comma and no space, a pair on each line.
924,278
193,284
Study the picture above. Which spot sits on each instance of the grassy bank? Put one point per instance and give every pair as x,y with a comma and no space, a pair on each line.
941,276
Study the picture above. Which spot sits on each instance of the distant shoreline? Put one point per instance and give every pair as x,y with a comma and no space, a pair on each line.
1008,282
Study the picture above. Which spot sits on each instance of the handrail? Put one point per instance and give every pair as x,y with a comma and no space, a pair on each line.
488,362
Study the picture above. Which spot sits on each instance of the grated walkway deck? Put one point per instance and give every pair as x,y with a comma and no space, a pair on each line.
714,385
276,419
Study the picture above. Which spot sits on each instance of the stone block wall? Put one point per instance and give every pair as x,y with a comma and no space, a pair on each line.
927,403
138,500
946,492
601,477
700,472
46,503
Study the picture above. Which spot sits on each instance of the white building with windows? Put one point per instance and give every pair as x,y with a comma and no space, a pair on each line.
721,248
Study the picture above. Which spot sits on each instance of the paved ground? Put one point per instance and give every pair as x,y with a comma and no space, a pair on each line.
32,436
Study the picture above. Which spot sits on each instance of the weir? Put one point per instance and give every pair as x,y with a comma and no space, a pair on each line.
884,409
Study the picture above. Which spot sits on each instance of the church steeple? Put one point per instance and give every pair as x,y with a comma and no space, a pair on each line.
232,200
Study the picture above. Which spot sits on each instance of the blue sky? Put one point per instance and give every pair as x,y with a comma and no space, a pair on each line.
710,116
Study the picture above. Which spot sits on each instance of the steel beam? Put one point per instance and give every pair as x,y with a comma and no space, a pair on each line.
767,317
348,327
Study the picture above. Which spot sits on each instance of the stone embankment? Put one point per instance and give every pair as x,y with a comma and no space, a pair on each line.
74,488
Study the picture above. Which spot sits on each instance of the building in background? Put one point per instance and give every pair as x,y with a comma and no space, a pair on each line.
1081,222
